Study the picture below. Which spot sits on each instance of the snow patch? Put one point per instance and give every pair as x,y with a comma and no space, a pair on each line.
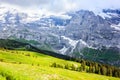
83,42
5,28
71,42
103,15
116,27
100,13
63,50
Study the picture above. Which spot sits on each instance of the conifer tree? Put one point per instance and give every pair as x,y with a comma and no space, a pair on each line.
83,64
104,70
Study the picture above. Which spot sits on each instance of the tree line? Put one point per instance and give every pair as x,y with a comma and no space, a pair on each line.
91,67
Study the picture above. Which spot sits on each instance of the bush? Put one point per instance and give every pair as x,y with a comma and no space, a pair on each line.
73,67
53,65
7,76
38,64
27,54
66,66
20,62
1,60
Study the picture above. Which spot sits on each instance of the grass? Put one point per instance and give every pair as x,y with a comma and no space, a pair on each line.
25,65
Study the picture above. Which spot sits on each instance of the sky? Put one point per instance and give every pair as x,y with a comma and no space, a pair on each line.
61,6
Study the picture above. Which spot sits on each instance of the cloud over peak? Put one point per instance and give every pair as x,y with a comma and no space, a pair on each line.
63,5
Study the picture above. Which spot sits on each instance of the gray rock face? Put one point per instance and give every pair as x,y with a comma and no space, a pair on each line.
85,29
94,30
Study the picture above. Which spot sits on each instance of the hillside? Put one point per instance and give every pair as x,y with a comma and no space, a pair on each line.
25,65
25,45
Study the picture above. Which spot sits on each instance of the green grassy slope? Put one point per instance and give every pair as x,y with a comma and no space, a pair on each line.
25,65
18,45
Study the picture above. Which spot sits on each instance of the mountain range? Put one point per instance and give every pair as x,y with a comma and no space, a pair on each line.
82,34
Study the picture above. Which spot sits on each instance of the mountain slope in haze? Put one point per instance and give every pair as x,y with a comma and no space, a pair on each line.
68,36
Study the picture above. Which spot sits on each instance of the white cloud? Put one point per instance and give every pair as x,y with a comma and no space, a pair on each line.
58,6
25,3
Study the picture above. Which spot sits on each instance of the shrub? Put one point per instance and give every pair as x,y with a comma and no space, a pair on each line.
20,62
66,66
73,67
1,60
53,65
38,64
27,54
